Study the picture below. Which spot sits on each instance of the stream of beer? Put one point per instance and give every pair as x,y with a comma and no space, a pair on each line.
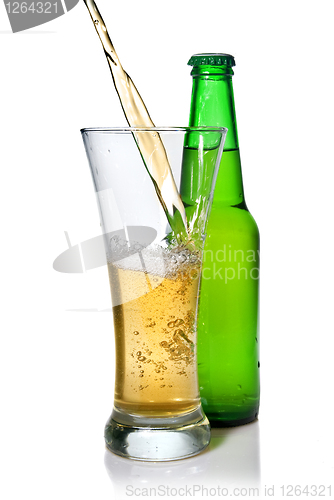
149,143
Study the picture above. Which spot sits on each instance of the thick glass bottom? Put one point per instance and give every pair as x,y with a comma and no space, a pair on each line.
157,439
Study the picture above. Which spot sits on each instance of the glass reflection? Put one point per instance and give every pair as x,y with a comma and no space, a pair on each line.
232,460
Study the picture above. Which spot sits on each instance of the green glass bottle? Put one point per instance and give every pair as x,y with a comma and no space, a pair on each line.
228,364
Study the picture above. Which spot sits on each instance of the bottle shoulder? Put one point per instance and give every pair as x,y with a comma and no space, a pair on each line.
232,218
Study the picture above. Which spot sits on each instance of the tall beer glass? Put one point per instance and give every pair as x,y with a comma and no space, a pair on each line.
154,265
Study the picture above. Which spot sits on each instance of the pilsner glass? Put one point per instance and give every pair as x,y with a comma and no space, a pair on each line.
154,280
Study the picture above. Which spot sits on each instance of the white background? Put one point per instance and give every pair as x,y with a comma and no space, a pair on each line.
57,365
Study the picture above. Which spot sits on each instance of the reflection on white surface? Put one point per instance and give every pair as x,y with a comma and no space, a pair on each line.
232,460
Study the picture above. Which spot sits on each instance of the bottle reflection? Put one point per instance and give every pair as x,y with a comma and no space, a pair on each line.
232,460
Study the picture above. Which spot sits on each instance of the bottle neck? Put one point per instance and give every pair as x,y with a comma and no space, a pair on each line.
212,104
212,101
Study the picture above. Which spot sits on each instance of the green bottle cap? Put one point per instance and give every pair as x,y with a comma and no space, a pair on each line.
212,60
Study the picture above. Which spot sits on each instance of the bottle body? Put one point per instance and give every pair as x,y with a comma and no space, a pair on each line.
228,357
228,363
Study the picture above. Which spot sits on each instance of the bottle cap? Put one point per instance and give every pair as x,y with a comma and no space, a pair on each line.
212,60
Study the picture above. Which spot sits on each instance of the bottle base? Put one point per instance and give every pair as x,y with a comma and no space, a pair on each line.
157,439
229,418
214,422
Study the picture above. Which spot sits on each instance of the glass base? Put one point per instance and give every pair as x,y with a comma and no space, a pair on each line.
157,439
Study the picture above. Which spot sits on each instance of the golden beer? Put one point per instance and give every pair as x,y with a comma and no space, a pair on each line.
155,336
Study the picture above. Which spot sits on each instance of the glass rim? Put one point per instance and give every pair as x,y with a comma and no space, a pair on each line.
154,129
